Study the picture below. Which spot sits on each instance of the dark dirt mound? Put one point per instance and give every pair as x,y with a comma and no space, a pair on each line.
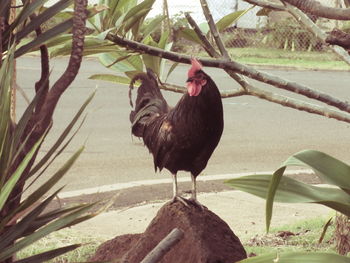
207,238
115,248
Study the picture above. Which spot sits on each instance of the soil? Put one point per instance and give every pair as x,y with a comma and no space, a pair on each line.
207,238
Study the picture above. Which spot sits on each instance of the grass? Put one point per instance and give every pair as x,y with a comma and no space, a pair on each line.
297,59
62,238
307,234
306,239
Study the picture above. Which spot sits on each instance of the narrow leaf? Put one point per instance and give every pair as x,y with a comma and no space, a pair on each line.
46,256
111,78
297,257
292,191
43,17
229,19
190,35
173,66
47,35
152,26
135,19
53,226
144,5
10,184
63,136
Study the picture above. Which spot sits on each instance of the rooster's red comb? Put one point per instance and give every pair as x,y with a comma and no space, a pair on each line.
196,65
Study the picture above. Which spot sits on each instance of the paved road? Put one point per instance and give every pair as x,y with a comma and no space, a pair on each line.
258,135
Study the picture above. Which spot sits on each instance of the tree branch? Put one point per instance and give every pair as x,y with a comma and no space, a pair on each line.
313,28
235,67
316,8
213,29
206,44
273,97
212,52
164,246
340,38
79,29
43,82
267,4
298,104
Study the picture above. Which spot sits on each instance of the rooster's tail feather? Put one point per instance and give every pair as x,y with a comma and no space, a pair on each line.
149,102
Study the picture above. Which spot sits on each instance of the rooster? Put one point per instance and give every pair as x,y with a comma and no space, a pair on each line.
184,137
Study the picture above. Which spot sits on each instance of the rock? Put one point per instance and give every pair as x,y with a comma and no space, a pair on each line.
207,239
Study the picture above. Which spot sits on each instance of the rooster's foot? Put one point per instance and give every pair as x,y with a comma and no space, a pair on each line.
196,203
180,199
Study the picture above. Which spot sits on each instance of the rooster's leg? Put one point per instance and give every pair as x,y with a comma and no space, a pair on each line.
176,196
193,199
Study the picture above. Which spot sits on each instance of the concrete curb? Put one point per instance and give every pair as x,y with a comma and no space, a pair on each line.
120,186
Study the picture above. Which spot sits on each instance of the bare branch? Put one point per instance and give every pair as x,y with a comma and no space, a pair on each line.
213,29
173,88
164,246
340,38
206,44
223,94
43,82
313,28
316,8
235,67
79,29
267,4
299,105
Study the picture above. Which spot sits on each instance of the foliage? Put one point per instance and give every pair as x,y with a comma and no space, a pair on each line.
27,223
297,257
26,220
275,187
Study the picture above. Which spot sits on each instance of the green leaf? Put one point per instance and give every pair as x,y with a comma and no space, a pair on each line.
43,17
145,5
190,35
16,231
47,35
46,256
6,72
151,62
297,257
130,64
27,10
173,66
131,22
44,188
44,231
93,45
328,168
229,19
204,27
11,182
111,78
152,26
293,191
63,136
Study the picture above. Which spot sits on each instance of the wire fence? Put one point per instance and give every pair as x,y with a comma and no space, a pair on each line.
257,28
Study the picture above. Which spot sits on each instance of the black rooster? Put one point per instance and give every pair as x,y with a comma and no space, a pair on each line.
183,137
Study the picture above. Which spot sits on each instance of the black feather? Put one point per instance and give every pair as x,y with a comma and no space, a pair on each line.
179,138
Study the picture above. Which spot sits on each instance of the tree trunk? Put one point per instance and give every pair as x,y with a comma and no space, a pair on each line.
342,234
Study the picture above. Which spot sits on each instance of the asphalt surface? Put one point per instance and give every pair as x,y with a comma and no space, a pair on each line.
258,135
